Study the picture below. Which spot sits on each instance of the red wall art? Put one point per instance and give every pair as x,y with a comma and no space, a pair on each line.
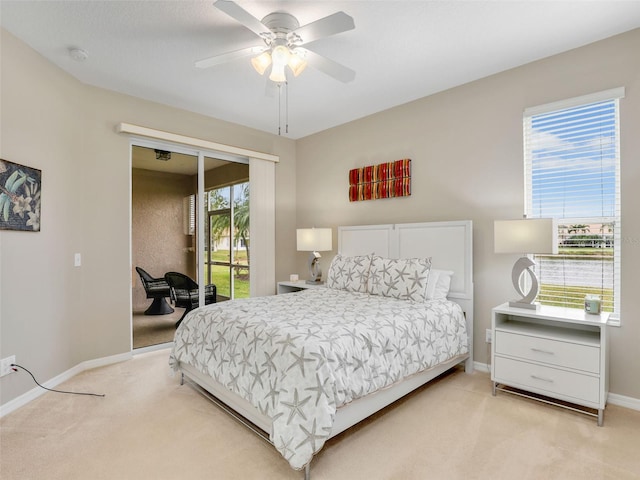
386,180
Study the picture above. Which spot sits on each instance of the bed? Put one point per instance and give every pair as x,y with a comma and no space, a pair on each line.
300,368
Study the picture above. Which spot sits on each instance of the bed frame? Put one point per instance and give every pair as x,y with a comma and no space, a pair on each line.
450,246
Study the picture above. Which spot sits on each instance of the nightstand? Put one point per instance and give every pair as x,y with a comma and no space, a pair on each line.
290,287
559,353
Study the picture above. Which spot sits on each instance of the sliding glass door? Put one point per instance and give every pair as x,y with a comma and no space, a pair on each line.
189,214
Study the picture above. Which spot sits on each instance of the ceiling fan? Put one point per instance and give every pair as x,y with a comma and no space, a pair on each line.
282,43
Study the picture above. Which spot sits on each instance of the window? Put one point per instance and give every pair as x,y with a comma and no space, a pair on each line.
572,173
189,215
227,242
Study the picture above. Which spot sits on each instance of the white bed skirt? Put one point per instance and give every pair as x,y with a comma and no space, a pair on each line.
346,416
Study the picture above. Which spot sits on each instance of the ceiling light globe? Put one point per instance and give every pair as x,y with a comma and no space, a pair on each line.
277,73
280,55
297,64
261,62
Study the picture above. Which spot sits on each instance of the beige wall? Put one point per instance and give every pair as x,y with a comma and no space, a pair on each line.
466,150
55,316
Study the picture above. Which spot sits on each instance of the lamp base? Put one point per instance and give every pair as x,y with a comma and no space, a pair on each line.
527,301
315,272
314,282
528,306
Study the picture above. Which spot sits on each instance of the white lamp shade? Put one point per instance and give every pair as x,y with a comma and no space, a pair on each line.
314,239
534,235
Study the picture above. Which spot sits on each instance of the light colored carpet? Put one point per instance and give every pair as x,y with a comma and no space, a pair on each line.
151,330
150,427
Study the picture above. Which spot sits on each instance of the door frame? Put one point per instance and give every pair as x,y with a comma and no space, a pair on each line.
195,147
262,209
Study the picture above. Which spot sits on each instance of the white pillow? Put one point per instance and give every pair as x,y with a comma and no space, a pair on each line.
439,284
403,278
349,273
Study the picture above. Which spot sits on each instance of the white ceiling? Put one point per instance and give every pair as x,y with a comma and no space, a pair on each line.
401,50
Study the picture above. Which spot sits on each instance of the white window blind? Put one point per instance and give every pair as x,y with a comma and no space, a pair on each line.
572,173
189,215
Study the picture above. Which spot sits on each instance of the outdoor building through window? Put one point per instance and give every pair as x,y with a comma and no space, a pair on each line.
572,173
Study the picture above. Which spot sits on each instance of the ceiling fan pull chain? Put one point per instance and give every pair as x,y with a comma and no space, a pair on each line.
286,106
279,107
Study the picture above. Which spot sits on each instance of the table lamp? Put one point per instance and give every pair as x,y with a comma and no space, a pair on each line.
314,240
527,236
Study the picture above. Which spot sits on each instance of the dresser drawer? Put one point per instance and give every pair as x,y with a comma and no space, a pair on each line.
547,380
552,352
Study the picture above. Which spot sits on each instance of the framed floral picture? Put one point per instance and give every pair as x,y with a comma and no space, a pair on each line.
19,197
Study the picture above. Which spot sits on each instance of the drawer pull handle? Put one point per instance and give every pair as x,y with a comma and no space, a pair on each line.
544,379
539,350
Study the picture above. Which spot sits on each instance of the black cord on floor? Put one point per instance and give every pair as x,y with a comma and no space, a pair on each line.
51,389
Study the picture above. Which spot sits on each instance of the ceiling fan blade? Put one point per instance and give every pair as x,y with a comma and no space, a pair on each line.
242,16
331,68
226,57
325,27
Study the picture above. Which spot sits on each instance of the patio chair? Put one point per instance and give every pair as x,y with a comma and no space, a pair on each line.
158,290
184,292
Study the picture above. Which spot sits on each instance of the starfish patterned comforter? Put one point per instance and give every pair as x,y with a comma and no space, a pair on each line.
298,357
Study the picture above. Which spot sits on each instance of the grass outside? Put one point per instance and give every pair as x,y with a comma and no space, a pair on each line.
585,251
574,296
220,274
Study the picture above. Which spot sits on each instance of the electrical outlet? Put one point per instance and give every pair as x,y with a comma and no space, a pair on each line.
488,336
5,365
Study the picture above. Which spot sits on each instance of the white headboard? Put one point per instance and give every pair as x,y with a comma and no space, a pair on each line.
449,244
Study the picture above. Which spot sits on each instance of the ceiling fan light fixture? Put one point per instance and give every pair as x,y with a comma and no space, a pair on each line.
282,38
296,63
280,56
261,62
277,73
163,155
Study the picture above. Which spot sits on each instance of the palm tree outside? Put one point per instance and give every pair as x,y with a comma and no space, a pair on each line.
227,262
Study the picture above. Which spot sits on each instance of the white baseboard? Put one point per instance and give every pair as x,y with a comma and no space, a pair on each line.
482,367
613,398
622,401
54,382
152,348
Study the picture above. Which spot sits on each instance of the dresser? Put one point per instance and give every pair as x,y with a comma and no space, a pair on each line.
559,354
